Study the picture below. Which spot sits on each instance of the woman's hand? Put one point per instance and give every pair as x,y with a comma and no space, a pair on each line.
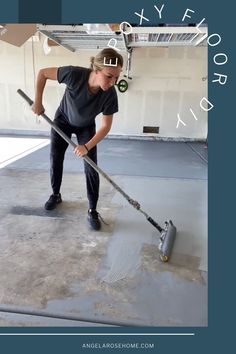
80,150
37,108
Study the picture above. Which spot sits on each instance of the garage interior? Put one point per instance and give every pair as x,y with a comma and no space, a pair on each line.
54,271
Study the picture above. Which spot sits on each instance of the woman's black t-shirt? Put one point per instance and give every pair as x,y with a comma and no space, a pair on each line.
78,105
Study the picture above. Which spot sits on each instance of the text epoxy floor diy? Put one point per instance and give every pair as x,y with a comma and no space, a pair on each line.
52,265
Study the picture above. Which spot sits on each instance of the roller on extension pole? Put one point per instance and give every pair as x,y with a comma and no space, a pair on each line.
167,233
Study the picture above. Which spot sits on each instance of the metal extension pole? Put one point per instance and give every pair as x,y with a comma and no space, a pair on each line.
131,201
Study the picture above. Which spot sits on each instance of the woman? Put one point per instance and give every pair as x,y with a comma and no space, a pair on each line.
88,93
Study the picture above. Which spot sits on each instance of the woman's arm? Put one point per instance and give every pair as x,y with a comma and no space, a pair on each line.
81,150
43,76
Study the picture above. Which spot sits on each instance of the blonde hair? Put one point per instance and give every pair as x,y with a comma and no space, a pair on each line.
107,55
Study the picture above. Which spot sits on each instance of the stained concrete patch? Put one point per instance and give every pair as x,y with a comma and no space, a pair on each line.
39,211
45,258
40,256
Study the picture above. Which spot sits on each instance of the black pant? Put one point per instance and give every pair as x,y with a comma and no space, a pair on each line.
58,149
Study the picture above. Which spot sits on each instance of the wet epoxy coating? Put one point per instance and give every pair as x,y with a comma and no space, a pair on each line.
167,199
55,264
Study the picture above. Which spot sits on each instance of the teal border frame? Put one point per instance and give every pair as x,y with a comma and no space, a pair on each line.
218,336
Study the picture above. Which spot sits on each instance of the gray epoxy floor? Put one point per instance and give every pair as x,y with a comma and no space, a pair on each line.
134,158
54,264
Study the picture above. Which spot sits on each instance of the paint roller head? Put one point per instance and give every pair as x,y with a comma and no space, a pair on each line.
167,241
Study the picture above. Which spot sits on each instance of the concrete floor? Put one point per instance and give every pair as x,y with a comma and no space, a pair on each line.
54,271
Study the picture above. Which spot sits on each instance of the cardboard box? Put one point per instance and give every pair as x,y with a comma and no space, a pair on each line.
17,34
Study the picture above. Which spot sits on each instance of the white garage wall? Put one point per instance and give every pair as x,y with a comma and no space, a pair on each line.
165,82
